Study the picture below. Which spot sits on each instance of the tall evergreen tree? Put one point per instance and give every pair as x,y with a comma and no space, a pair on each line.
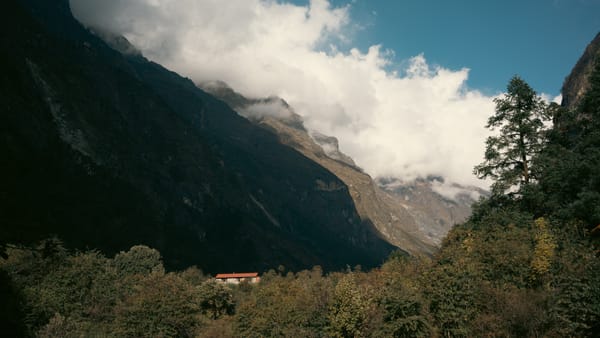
519,119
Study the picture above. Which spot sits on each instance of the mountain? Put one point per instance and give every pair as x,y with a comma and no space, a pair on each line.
106,149
434,205
411,215
570,161
577,82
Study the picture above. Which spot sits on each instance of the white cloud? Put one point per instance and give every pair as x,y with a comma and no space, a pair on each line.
550,98
557,99
272,108
452,191
423,122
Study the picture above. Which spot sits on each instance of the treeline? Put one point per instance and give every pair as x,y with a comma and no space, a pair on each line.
517,278
85,294
61,294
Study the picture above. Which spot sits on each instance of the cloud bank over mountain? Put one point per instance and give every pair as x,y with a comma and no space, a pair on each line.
417,121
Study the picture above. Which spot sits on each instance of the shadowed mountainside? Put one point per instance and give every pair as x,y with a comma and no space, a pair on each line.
107,150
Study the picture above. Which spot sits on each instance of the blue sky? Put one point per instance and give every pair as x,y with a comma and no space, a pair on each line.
538,39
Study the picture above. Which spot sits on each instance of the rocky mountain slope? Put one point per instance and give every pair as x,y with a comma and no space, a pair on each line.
411,215
577,83
107,150
434,206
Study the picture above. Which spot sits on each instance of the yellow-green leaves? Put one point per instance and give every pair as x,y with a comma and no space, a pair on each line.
543,252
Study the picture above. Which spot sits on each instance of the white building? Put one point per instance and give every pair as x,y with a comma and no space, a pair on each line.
236,278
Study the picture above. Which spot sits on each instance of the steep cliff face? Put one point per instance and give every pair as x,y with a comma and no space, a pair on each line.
107,150
577,83
411,215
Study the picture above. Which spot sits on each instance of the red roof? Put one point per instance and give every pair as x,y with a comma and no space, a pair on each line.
236,275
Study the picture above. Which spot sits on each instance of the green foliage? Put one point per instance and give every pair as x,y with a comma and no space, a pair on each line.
194,275
348,310
140,259
86,294
543,253
285,306
403,317
496,248
508,311
399,297
216,299
82,290
501,275
29,269
576,308
159,306
68,327
481,284
520,117
451,294
575,303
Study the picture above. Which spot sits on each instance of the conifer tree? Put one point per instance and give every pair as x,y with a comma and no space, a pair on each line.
519,119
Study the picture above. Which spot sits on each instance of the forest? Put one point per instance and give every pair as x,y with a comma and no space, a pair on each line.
525,264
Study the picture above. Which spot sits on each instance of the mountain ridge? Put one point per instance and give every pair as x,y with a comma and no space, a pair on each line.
414,218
